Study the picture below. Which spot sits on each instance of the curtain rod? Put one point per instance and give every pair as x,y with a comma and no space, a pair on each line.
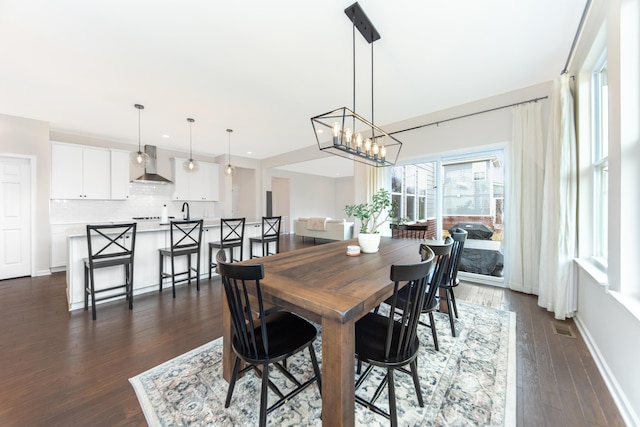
575,37
469,115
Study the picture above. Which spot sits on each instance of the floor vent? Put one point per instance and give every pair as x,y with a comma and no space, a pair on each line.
562,329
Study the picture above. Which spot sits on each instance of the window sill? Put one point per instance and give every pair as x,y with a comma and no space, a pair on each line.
594,270
630,303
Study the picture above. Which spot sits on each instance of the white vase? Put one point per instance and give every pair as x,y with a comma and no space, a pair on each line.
369,243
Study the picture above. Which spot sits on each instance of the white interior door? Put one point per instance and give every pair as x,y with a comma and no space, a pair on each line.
15,217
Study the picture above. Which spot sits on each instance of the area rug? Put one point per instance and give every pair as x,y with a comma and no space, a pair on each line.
470,381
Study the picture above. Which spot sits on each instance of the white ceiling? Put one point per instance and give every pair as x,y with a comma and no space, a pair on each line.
263,68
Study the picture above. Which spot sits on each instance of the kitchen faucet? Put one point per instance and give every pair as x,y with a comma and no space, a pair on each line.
185,216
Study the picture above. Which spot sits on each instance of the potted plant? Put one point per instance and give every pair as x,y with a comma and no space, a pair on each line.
371,215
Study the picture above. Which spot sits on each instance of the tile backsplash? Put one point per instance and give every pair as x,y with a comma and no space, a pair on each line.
144,200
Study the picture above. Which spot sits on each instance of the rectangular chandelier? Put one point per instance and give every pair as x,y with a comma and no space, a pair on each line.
346,134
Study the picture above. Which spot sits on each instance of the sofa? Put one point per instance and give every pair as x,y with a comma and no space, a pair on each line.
323,228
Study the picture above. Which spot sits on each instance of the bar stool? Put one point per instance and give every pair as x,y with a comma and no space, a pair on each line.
231,236
186,238
109,246
270,233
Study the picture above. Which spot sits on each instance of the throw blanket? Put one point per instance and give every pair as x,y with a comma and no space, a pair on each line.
318,224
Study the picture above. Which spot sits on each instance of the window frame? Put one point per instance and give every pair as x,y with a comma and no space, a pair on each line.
600,162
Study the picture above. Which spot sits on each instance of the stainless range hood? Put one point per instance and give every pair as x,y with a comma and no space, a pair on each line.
150,175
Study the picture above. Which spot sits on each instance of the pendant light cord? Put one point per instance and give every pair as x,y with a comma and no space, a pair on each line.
190,120
139,150
229,152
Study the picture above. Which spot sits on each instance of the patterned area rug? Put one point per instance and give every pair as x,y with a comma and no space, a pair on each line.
470,381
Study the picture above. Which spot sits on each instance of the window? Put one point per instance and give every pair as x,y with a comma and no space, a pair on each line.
412,191
465,188
600,163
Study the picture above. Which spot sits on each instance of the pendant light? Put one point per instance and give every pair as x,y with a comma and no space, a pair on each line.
229,170
139,158
190,165
352,136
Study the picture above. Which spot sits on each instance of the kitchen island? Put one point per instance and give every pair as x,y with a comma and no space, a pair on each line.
150,237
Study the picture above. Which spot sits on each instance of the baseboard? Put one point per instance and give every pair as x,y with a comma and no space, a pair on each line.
42,273
627,412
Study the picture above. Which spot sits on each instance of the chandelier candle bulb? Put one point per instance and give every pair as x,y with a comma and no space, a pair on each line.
336,132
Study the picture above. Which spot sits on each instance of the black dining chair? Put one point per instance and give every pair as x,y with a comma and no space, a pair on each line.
231,237
441,254
390,341
110,245
270,234
263,340
450,280
186,239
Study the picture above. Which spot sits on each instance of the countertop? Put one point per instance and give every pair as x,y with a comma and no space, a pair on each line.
146,226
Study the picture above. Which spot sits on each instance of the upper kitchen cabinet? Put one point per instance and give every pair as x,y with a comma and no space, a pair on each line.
199,185
82,172
119,175
79,172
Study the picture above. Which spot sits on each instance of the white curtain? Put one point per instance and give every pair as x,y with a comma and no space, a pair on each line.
523,207
557,291
375,180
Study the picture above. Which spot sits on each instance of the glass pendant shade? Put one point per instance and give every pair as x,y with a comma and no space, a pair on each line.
139,158
190,165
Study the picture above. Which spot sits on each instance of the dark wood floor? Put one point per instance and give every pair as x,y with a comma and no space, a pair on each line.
63,369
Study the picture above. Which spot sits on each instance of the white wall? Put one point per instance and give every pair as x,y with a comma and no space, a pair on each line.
344,195
310,195
610,320
245,180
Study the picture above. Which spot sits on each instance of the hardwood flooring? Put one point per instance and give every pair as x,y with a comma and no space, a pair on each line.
62,369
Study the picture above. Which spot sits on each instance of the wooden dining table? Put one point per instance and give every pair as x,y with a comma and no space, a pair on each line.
326,286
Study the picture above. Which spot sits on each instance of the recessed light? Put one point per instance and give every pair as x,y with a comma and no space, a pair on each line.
249,152
165,136
319,131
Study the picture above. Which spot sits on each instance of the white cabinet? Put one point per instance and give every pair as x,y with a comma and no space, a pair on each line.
199,185
79,172
119,175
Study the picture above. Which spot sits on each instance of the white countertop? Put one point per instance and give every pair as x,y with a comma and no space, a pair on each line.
149,225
